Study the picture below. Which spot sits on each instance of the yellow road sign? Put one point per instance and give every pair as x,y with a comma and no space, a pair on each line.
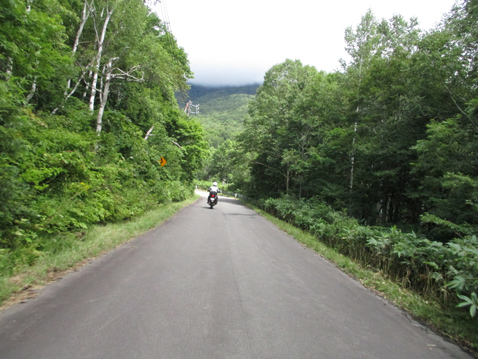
162,161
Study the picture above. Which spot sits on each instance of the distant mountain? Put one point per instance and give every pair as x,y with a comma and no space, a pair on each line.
203,94
221,109
197,91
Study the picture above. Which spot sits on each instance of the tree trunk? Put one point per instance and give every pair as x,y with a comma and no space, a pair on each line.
352,158
100,43
287,180
84,16
148,133
104,97
33,90
9,69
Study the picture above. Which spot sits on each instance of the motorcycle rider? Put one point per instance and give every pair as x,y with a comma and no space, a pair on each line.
213,188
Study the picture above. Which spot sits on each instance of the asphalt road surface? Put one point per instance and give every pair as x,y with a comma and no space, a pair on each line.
213,283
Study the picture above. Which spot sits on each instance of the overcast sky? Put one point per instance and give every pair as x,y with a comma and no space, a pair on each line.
236,42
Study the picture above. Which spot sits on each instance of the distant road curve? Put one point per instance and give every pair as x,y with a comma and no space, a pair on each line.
213,283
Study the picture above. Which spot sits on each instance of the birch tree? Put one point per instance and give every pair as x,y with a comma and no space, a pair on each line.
101,21
361,45
111,73
85,14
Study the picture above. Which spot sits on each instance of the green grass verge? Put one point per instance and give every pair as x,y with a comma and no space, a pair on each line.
451,323
67,252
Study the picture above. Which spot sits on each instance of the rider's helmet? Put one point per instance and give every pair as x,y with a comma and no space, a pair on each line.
214,184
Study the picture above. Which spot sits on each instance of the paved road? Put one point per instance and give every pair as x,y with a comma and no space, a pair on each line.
220,283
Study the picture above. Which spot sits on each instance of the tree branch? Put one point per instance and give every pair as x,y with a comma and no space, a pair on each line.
148,133
459,108
177,144
127,75
71,92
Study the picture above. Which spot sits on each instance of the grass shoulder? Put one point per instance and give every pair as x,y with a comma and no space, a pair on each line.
69,252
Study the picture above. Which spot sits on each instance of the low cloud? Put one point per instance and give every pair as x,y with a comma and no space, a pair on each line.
210,75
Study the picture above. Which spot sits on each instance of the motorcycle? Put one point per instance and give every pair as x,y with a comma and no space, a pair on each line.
212,199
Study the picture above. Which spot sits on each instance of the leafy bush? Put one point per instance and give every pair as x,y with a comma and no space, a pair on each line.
54,180
463,268
60,172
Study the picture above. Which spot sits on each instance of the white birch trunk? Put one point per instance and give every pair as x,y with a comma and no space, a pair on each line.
9,69
87,88
352,159
33,90
104,98
148,133
85,14
100,43
287,179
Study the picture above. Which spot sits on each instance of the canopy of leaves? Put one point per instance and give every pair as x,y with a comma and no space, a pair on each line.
392,137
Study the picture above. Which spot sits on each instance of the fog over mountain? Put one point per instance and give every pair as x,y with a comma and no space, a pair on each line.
214,76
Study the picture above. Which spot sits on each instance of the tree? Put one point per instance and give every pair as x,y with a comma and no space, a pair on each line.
32,48
72,69
448,162
273,132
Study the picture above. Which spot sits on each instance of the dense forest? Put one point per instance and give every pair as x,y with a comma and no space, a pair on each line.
87,111
390,140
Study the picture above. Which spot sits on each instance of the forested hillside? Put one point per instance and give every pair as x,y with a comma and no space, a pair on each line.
391,140
221,112
202,94
221,109
87,110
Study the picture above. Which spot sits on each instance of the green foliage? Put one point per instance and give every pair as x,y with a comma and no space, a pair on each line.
57,174
392,138
277,134
447,159
221,111
204,185
463,268
33,49
469,301
64,182
224,119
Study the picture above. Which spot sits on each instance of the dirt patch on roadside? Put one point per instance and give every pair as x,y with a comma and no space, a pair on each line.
30,291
